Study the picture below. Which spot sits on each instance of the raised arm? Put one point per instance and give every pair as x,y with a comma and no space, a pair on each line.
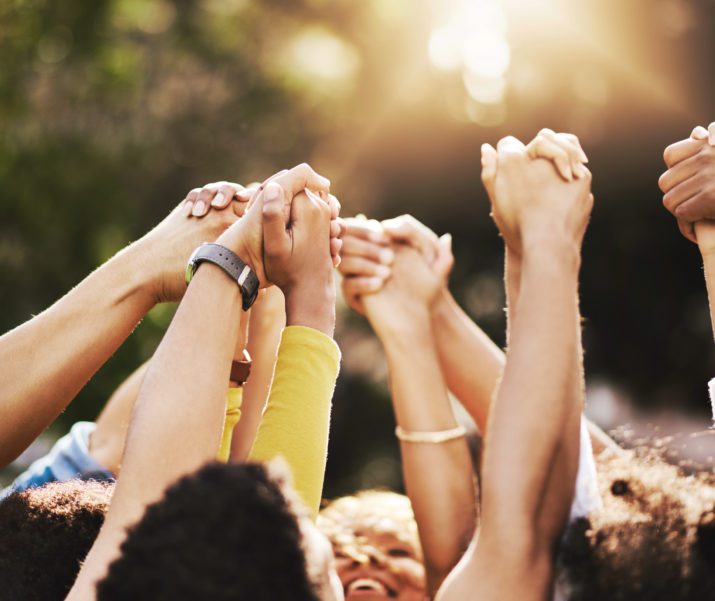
689,193
529,473
438,472
47,360
178,418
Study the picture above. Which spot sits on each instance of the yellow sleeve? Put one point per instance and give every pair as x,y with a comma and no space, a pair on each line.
296,421
234,398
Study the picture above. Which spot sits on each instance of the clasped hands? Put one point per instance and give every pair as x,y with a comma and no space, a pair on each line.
688,186
540,196
275,228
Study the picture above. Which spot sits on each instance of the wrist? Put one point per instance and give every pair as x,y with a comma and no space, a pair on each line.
141,273
311,305
551,254
412,321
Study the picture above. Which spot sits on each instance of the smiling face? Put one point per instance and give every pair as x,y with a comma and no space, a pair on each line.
378,556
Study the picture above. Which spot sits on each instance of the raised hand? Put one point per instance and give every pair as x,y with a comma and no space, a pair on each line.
413,288
245,238
170,244
297,258
689,183
218,195
530,201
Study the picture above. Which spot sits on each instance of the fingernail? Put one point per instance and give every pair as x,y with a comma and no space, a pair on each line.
699,133
199,208
378,237
448,240
387,256
383,272
375,284
582,156
579,171
218,200
188,208
711,139
272,192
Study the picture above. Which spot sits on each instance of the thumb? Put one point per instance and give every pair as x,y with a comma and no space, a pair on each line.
445,259
273,219
489,167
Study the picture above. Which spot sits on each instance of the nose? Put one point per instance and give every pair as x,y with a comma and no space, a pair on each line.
370,557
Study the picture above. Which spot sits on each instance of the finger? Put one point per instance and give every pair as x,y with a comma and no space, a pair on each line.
335,206
510,144
682,193
357,286
357,247
711,134
681,150
190,200
541,147
688,230
225,195
489,167
572,149
699,133
574,140
679,173
274,227
357,266
445,259
343,228
335,228
336,245
407,229
366,229
203,201
301,177
696,208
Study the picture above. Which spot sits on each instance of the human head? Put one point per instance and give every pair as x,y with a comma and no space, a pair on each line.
45,533
376,545
654,538
225,532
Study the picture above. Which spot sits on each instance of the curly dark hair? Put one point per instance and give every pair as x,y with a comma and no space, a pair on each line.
653,540
45,533
225,532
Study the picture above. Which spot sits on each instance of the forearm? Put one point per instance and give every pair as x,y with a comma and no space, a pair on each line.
542,385
444,503
266,324
106,445
178,417
709,269
48,360
470,362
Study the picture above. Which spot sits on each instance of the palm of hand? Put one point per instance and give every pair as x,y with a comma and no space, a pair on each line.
528,194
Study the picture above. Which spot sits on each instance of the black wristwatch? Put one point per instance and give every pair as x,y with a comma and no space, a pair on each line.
228,261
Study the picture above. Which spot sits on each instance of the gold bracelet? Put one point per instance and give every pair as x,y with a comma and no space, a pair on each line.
430,437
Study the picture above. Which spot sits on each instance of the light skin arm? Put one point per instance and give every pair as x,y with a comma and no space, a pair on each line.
178,419
705,232
266,324
444,504
48,359
529,473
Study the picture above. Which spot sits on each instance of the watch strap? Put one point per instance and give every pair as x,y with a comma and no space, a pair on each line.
240,370
228,261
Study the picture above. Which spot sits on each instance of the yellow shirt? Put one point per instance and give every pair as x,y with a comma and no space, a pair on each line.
296,421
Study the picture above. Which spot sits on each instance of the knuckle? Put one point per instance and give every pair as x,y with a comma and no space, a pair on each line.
668,154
